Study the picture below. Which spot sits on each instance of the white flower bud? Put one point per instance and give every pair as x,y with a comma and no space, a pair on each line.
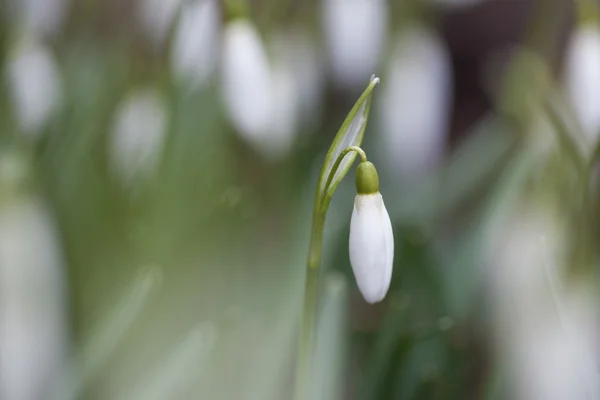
196,42
246,83
582,78
355,33
33,314
414,107
35,86
138,135
371,246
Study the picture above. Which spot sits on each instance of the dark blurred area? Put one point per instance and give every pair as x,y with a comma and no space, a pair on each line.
158,163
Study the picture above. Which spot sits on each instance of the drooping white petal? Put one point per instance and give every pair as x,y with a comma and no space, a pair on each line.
355,33
196,42
415,104
35,86
371,246
246,82
583,78
138,135
33,313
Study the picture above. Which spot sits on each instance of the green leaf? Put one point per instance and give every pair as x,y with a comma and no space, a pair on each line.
351,133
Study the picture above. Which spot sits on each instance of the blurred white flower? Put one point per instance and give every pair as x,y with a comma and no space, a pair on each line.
33,314
196,42
371,246
546,334
582,78
138,135
415,103
35,86
355,33
156,18
40,17
246,83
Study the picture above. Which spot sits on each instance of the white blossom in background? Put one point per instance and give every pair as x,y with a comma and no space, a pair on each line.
35,86
195,51
546,334
414,106
39,17
33,314
138,135
247,88
355,34
156,18
582,78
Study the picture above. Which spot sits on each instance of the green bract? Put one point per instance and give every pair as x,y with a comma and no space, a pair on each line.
350,134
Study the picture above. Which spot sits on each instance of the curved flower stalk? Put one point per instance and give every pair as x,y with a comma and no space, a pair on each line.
582,77
355,33
368,266
415,106
196,42
138,136
35,86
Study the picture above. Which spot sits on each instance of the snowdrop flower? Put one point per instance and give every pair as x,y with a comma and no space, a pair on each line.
415,107
371,237
196,41
138,135
246,83
156,18
355,35
582,77
35,86
33,312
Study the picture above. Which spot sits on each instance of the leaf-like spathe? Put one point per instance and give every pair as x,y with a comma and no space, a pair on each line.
350,134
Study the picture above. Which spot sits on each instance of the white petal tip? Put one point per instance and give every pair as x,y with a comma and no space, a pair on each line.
375,80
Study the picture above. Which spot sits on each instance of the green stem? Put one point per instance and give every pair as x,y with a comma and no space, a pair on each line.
313,269
309,314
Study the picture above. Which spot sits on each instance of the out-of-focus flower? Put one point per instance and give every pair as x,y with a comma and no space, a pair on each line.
582,77
355,32
371,237
138,135
40,17
156,18
33,314
35,86
546,334
196,42
246,83
415,103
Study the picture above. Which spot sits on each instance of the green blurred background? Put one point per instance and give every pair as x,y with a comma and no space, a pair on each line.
153,240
